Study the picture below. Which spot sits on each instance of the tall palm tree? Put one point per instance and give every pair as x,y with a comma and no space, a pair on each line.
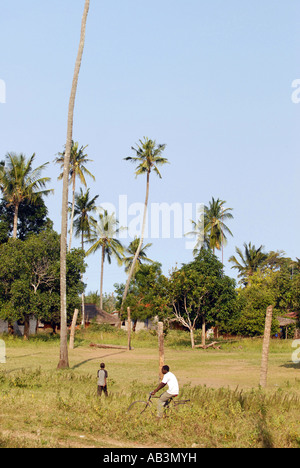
82,224
131,250
148,158
103,237
19,182
78,159
214,226
64,360
249,262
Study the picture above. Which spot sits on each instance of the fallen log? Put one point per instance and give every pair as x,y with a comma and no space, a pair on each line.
211,345
106,346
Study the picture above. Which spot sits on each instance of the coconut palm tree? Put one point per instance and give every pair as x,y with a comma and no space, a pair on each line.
131,250
78,159
249,261
104,237
82,224
214,227
19,182
148,158
199,234
82,219
64,360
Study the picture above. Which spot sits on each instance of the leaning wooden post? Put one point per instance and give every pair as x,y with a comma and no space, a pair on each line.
72,334
266,345
129,328
160,332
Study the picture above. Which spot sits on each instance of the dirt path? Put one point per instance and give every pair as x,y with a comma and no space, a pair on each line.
75,440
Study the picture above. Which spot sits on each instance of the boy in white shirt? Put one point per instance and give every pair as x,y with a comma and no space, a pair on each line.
173,389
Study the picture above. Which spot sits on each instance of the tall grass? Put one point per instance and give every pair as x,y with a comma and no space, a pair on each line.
54,409
43,407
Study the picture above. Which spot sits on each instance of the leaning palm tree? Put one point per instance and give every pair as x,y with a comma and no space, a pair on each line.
104,237
148,158
83,208
249,262
78,159
64,360
131,251
214,227
19,182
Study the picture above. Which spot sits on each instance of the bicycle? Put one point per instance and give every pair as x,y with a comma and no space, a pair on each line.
140,406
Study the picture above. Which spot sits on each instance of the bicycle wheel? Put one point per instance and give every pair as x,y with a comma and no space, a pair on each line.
138,407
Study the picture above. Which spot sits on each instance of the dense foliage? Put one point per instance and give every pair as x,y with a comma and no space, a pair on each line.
29,278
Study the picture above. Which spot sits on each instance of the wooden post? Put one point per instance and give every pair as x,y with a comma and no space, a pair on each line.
160,332
266,345
129,328
72,334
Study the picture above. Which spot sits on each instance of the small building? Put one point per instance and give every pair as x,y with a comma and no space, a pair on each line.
138,325
18,329
96,315
284,323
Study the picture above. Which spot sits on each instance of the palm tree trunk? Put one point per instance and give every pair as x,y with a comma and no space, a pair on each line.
64,360
16,213
82,296
140,244
203,332
266,344
101,279
72,213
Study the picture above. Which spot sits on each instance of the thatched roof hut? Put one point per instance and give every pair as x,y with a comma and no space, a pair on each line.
94,314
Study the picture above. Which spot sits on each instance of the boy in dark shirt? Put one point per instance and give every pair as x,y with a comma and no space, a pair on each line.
102,380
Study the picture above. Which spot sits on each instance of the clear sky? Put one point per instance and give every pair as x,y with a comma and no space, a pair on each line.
212,79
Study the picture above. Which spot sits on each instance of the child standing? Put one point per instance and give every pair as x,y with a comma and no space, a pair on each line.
102,380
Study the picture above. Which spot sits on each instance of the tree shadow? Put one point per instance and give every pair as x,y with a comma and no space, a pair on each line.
291,365
97,358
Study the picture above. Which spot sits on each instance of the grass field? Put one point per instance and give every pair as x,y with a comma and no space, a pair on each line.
43,407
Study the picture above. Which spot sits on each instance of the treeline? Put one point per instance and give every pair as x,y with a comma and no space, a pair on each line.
200,295
197,295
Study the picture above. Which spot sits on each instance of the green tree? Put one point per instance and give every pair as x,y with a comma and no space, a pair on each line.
148,158
78,159
104,237
32,219
84,207
249,262
29,277
147,293
20,183
215,229
200,294
131,251
253,302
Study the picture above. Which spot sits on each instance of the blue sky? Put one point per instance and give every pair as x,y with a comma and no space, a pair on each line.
210,79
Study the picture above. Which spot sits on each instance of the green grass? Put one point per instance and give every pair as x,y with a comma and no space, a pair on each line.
43,407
